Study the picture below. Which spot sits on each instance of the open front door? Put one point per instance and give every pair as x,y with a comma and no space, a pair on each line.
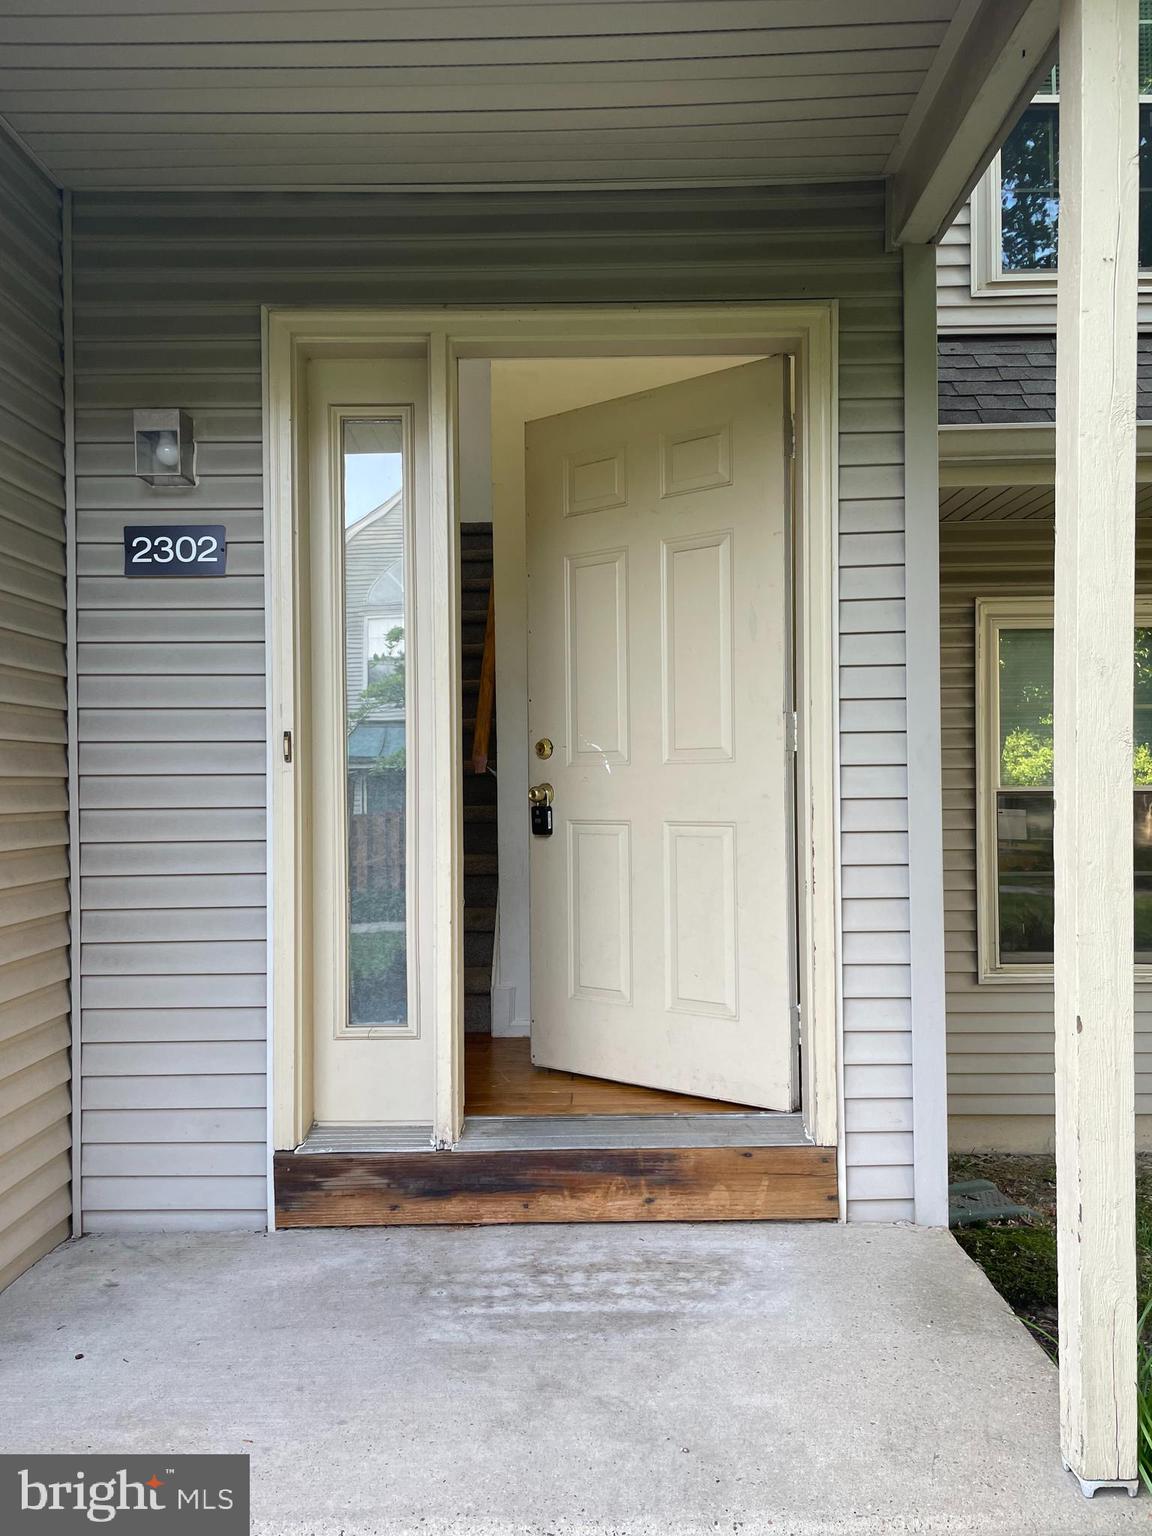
659,658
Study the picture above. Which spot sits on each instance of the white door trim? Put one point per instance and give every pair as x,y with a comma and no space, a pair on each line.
808,332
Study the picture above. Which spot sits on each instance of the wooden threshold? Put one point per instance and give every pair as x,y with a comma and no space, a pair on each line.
560,1184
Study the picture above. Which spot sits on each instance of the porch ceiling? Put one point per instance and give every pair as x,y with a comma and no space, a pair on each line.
451,93
1013,503
997,503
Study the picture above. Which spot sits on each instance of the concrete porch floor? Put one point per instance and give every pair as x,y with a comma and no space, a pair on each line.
626,1379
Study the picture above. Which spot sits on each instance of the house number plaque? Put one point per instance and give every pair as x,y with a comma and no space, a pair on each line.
182,549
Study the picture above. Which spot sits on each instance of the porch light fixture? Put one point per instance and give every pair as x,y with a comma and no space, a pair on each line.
165,447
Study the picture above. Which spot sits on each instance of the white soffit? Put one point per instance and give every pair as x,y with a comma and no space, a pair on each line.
168,94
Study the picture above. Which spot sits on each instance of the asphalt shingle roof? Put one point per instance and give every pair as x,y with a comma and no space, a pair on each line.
990,378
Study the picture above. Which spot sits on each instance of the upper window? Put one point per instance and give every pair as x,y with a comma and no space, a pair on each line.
1016,210
1014,785
1030,191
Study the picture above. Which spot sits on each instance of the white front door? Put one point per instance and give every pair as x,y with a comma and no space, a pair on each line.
659,565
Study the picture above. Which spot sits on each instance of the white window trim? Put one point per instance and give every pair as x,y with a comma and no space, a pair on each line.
988,279
993,615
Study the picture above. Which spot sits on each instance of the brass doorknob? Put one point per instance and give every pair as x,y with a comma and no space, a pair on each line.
541,794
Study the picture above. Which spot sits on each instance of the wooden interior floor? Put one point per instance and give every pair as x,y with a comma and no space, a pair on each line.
499,1079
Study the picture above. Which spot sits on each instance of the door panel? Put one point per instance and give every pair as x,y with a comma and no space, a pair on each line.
696,600
596,599
659,664
700,940
600,910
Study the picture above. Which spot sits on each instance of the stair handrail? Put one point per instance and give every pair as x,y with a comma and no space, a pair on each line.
486,697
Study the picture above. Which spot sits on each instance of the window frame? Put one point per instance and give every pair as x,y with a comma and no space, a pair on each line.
988,279
992,616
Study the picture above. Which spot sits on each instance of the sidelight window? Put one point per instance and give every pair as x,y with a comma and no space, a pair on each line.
376,659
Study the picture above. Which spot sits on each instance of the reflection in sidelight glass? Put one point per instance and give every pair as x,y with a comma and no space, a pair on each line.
375,656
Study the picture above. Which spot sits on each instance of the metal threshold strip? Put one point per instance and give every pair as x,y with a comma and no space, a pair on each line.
338,1139
523,1133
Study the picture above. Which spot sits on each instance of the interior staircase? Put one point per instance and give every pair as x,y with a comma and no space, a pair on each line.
479,739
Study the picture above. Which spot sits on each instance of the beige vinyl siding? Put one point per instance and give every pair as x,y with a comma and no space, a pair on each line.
877,1040
1000,1035
1004,310
35,1135
954,304
168,294
958,309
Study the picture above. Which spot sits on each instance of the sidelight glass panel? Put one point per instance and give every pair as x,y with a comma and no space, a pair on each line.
375,657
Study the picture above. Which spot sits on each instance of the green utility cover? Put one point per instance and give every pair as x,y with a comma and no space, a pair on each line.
975,1200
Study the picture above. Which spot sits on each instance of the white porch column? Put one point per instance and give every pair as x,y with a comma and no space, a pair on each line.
1095,516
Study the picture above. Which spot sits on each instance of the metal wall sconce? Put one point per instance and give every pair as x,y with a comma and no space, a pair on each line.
165,447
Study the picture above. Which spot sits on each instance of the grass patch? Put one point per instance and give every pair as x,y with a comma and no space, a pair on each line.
1019,1261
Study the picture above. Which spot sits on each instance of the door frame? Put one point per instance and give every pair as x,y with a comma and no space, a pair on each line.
808,332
